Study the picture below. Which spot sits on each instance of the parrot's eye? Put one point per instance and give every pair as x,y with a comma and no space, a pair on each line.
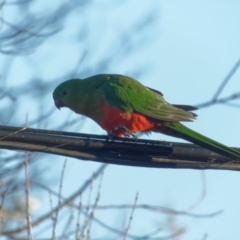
64,92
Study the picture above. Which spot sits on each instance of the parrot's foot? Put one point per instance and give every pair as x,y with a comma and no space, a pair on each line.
127,132
109,136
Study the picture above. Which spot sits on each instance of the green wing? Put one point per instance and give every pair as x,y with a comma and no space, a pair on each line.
131,96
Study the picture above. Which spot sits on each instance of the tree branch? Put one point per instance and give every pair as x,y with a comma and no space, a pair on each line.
121,151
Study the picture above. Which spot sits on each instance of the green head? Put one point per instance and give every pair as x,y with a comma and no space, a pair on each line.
65,93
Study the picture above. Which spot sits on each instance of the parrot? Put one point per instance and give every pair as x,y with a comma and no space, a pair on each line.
122,106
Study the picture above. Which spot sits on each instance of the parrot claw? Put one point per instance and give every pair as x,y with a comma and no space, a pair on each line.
128,132
110,136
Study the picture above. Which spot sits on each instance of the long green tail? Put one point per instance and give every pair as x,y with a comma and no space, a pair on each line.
179,130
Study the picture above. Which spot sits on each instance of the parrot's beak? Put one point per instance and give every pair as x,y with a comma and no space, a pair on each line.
58,103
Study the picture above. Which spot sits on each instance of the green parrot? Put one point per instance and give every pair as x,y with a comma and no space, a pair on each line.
122,106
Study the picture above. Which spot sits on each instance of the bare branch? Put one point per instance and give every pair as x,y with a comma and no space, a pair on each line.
226,80
224,100
202,196
64,203
130,218
59,202
123,151
28,208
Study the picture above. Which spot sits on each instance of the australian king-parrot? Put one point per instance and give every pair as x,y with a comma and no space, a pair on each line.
123,106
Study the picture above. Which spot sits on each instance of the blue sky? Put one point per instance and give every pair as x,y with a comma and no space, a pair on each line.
185,52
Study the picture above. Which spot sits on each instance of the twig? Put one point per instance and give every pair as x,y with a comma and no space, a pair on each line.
87,217
130,218
150,234
90,194
65,230
203,193
4,194
232,105
28,213
103,225
59,201
158,209
64,203
226,80
223,100
78,217
20,130
2,4
51,207
91,218
1,205
205,236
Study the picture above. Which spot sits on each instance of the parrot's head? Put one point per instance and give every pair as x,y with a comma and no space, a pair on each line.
63,95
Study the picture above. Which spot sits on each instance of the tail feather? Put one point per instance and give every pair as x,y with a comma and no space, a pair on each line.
179,130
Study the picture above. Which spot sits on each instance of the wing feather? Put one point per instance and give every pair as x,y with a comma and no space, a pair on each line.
131,96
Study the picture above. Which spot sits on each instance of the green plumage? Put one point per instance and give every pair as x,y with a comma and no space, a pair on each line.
130,95
201,140
91,95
